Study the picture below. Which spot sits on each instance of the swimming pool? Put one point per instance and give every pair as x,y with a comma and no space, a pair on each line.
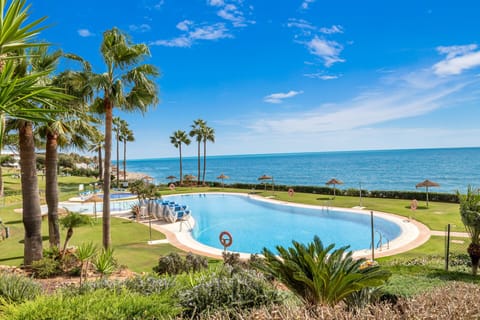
256,224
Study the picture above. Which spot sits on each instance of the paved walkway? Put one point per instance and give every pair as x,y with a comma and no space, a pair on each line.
452,234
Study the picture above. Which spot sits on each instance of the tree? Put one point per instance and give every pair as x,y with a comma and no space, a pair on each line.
96,144
318,275
126,136
196,131
118,124
178,138
470,213
20,94
127,85
208,134
70,221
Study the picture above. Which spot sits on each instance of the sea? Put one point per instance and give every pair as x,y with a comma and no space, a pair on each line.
453,168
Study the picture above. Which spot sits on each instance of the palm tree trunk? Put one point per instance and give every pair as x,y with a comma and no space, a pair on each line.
2,136
181,173
100,164
51,189
118,156
204,160
198,174
32,214
125,160
106,175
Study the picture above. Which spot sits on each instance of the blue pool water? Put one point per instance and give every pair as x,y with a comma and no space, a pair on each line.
256,224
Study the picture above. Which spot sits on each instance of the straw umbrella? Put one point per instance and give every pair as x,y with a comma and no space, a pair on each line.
427,183
334,182
264,178
172,178
223,177
94,199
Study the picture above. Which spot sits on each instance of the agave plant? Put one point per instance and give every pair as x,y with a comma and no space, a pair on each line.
470,213
85,252
318,275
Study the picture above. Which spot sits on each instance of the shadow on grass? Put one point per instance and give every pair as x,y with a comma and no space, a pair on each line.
14,222
11,258
418,208
324,198
454,276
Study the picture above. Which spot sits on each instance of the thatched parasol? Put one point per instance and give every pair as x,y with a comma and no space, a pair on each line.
334,182
223,177
95,198
171,178
427,183
265,177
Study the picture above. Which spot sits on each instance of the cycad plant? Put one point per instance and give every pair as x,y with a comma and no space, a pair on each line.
470,213
85,252
318,275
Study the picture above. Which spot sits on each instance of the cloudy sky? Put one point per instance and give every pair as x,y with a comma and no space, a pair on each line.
291,75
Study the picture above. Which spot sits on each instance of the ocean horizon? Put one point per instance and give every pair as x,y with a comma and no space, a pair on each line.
397,169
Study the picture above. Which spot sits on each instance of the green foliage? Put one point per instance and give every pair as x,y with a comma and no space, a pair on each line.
174,264
99,304
85,252
75,219
318,275
470,213
105,263
17,288
46,268
228,291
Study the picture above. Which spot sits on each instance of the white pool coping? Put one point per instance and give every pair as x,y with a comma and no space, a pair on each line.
413,233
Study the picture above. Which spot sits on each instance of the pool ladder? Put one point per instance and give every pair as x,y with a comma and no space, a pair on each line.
380,242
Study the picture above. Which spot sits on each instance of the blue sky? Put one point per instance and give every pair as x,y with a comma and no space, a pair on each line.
293,75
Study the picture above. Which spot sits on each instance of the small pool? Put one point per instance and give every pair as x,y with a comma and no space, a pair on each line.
255,224
119,195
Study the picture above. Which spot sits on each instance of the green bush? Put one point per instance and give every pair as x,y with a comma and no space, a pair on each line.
228,291
100,304
46,268
148,284
174,264
17,288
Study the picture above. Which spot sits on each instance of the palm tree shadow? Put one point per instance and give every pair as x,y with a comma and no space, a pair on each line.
324,198
44,238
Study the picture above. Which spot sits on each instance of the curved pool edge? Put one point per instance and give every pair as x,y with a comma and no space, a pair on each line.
413,233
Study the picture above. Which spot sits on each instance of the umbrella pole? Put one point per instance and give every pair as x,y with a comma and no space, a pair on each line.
427,195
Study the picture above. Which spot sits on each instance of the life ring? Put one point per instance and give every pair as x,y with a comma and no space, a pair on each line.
291,192
414,205
225,239
171,186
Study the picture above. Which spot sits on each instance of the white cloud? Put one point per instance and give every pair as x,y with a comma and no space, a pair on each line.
140,28
85,33
207,32
306,4
458,59
215,3
321,76
333,29
329,51
180,42
184,25
300,23
278,97
159,4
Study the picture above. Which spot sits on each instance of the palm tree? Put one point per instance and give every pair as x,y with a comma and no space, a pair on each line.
208,134
70,221
470,213
118,125
196,132
20,94
177,139
96,144
126,84
126,136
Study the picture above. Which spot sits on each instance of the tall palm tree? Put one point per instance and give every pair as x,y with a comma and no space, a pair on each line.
67,129
208,134
118,124
177,139
196,131
97,142
126,136
20,94
126,84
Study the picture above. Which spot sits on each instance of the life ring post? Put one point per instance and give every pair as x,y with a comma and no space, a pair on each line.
226,240
171,186
291,193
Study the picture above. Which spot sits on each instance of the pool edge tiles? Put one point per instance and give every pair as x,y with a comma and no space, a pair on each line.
412,233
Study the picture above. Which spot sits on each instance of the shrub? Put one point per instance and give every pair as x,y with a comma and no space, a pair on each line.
46,268
99,304
17,288
148,284
105,263
226,291
318,275
174,264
